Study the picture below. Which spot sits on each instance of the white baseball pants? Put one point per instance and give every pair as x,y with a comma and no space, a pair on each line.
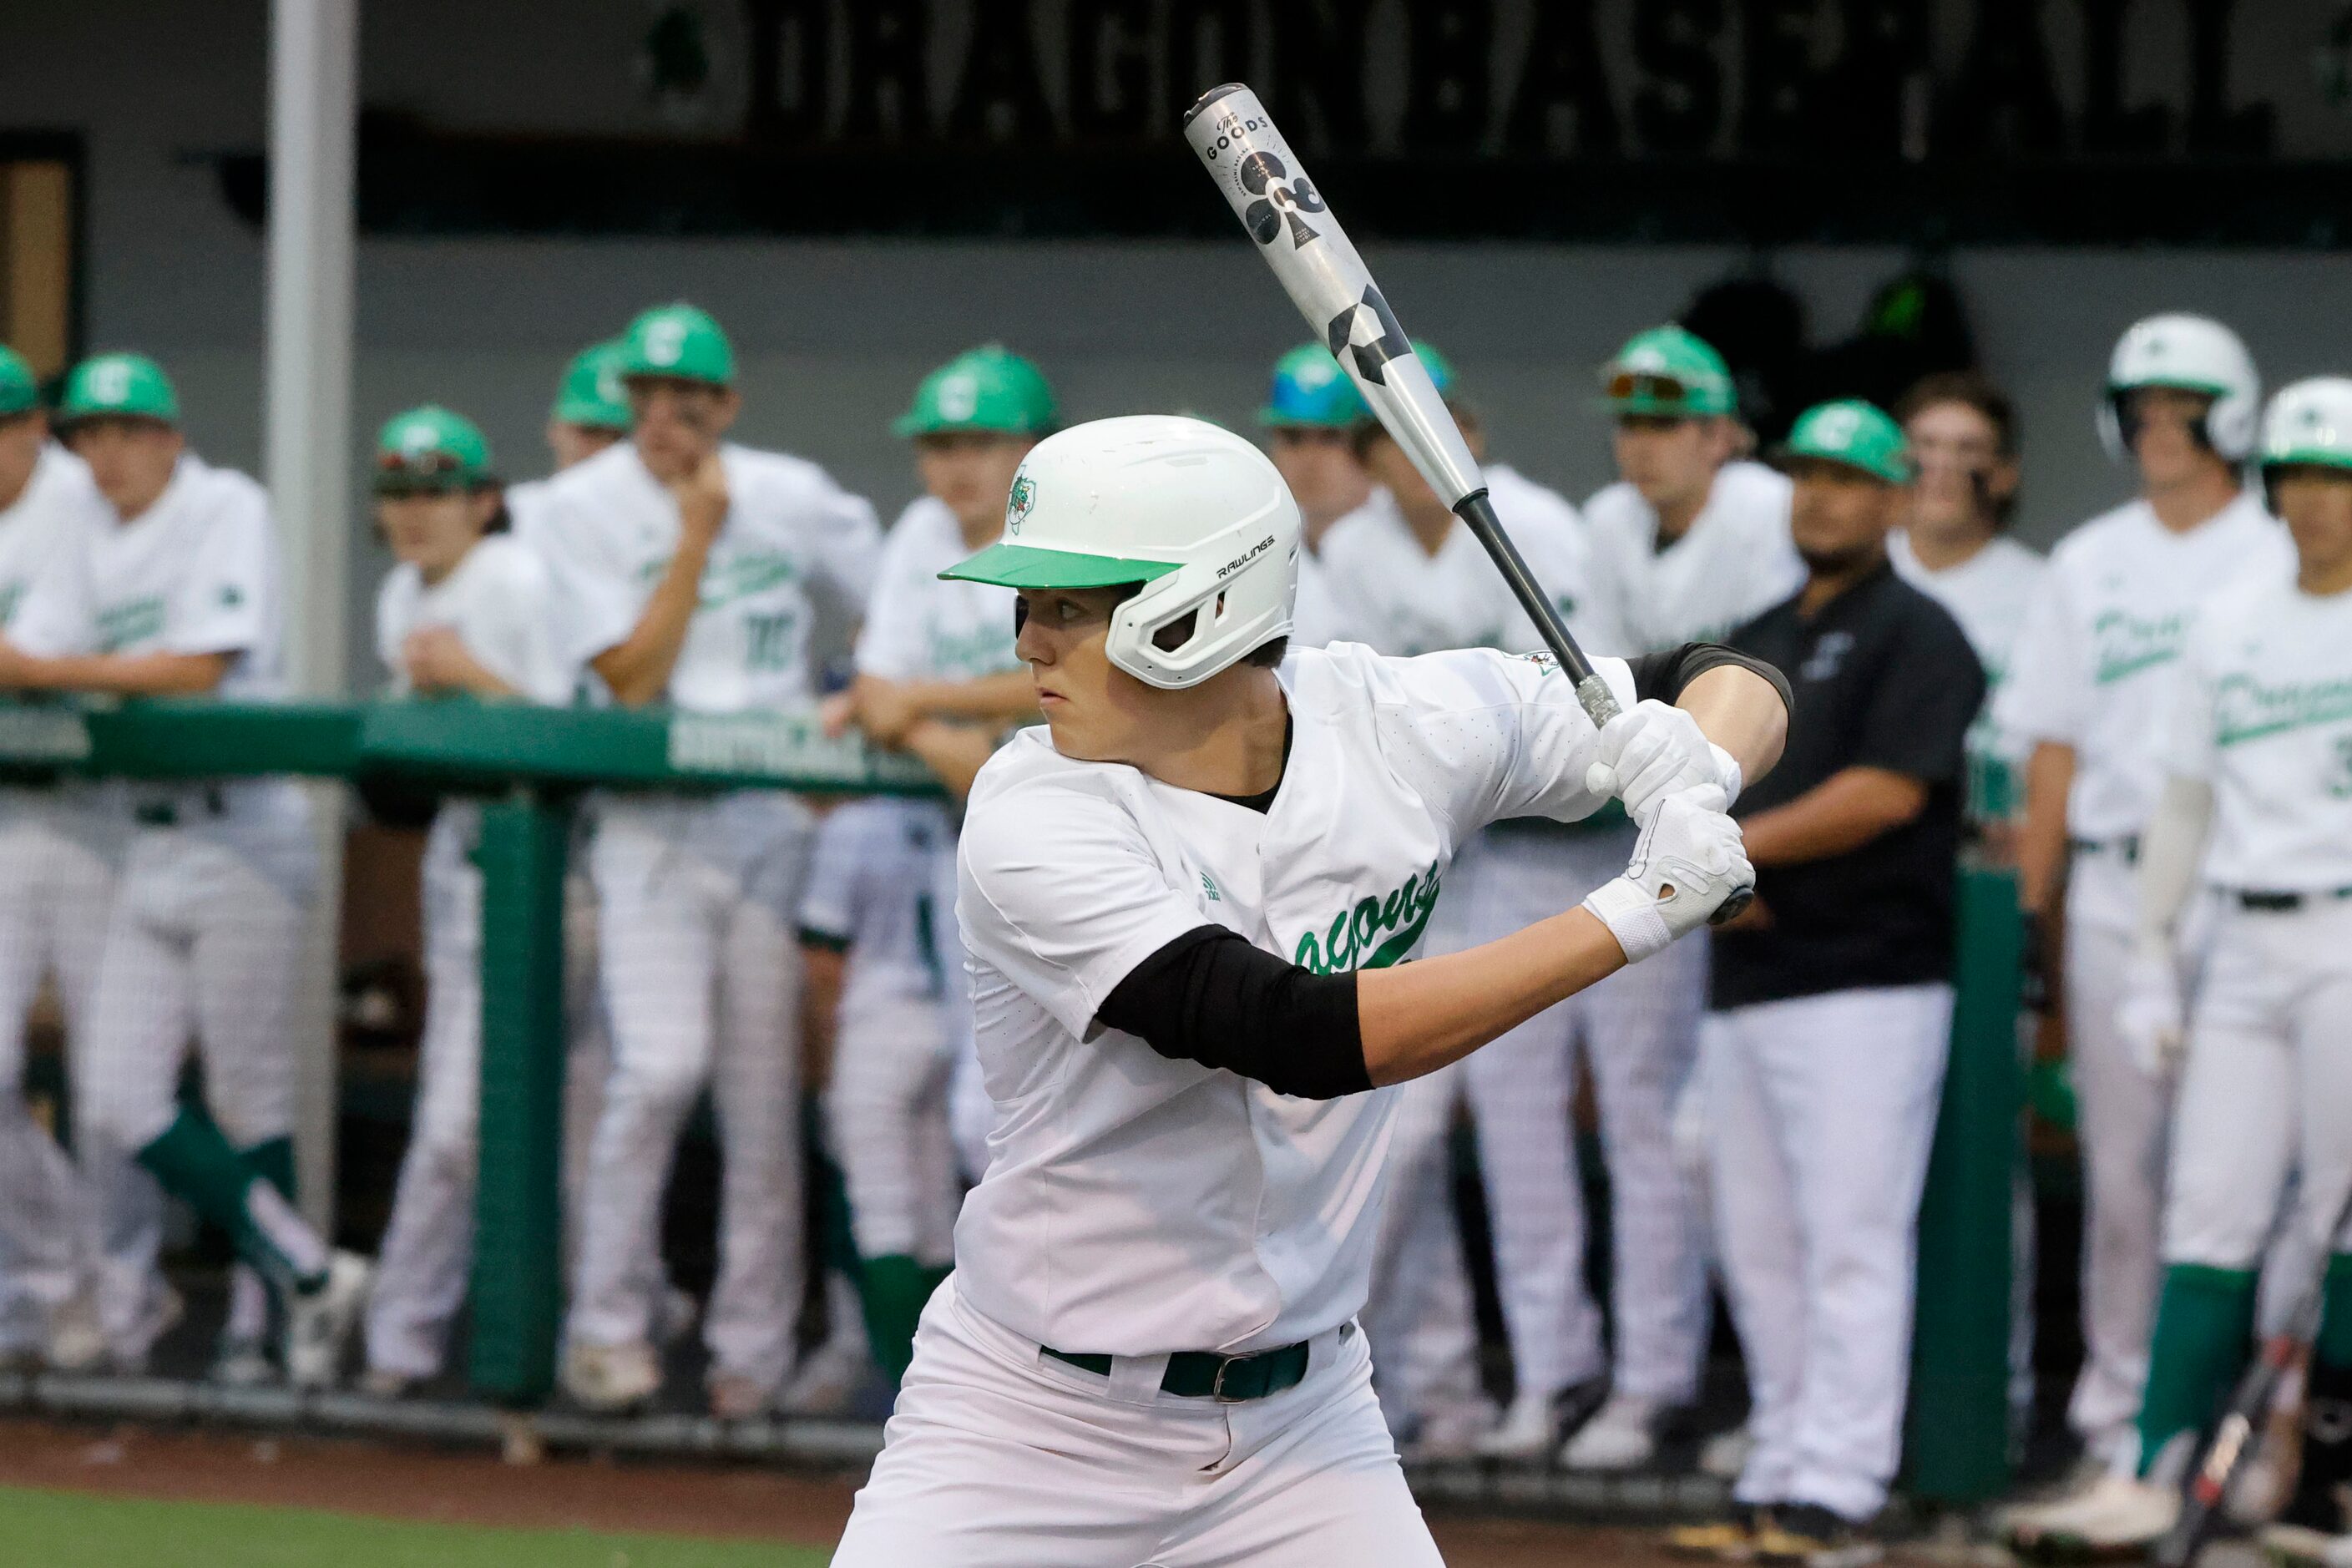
1822,1110
1419,1313
886,1108
56,885
1000,1456
2266,1088
701,981
199,945
1637,1033
2121,1116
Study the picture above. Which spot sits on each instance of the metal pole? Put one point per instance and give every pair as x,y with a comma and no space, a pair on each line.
313,112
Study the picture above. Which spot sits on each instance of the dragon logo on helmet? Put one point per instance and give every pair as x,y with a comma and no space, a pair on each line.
1017,505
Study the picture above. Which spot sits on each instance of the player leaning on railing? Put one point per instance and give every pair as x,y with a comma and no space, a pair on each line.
178,592
1185,902
466,612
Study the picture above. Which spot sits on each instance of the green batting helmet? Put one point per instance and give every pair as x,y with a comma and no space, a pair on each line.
679,342
1667,373
1310,392
430,448
1857,434
592,395
989,389
20,392
120,386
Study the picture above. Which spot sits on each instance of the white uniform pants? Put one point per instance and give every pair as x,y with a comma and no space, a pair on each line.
1823,1110
1000,1456
1419,1314
1637,1033
887,1110
200,945
2120,1121
427,1255
55,888
701,981
2267,1089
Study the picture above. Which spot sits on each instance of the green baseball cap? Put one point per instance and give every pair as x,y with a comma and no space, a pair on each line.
430,448
680,342
989,389
1440,368
1667,373
122,387
593,395
1856,434
20,392
1310,392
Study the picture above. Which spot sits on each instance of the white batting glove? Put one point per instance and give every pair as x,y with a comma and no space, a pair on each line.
1653,749
1687,860
2151,1015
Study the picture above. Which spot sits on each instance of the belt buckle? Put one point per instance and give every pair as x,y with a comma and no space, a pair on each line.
1217,1384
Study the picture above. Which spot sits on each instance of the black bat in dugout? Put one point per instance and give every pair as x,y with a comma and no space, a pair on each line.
1285,214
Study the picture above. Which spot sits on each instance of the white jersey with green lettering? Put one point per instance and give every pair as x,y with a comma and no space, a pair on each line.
920,627
2263,715
608,530
1733,562
2095,665
496,600
57,504
1136,1205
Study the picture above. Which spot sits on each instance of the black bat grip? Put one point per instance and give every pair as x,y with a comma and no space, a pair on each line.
1600,703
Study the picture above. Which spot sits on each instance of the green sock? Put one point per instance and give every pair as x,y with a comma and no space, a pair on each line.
894,1291
2204,1322
195,1163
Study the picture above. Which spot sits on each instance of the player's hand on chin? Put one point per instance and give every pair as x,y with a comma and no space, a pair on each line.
1686,862
1652,750
701,498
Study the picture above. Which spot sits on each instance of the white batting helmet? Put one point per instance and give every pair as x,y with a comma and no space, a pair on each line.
2194,354
1194,514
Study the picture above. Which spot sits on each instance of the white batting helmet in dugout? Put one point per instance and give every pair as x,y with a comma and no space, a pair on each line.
2192,353
1194,514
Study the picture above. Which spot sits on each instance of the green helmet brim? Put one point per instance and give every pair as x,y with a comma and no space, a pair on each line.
2306,458
1025,566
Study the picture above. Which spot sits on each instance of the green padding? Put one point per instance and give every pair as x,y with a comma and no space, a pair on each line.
197,738
1023,566
1957,1425
518,1286
2204,1327
2333,1345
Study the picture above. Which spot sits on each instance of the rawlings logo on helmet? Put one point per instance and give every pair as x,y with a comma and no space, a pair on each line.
1017,505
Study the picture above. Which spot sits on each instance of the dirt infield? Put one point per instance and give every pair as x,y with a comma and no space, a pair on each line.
722,1501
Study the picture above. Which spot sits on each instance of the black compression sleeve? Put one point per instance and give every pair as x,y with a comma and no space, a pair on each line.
1210,997
1665,676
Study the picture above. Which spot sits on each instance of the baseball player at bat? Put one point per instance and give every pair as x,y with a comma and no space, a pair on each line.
1310,418
687,568
177,592
2257,804
59,852
2089,679
1185,899
466,612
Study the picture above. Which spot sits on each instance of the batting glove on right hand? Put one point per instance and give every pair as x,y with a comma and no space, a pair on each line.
1651,751
2151,1015
1686,862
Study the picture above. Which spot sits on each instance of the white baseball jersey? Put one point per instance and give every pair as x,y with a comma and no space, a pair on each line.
1733,562
1394,595
2263,713
527,512
497,598
869,891
790,532
2094,666
1987,593
920,627
59,504
1137,1205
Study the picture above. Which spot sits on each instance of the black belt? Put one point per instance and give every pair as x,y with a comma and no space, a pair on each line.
1204,1375
166,813
2284,902
2127,846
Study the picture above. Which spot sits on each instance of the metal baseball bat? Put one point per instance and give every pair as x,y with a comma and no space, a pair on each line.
2238,1435
1303,242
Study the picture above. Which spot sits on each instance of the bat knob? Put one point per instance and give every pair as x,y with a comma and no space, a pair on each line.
1733,907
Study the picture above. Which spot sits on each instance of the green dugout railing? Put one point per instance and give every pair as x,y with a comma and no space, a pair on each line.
528,765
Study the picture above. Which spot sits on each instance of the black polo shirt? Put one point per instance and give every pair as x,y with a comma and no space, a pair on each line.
1884,678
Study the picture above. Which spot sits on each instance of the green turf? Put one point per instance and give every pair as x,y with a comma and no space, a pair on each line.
71,1529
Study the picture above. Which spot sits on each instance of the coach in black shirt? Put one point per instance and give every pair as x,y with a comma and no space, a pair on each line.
1822,1052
